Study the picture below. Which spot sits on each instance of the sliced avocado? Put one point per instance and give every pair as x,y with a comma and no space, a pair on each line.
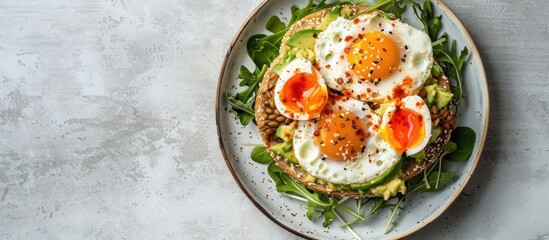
304,38
443,98
287,146
310,179
287,58
286,132
379,180
382,107
436,71
431,93
341,187
330,17
279,150
346,12
332,186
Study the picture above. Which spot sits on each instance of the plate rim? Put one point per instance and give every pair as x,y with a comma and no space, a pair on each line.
453,17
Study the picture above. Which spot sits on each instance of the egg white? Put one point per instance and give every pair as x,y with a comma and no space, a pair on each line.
415,49
377,158
416,104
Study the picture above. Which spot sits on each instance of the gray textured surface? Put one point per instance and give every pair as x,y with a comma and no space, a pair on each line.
107,126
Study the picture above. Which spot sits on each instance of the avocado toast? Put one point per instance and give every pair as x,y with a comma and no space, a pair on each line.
276,130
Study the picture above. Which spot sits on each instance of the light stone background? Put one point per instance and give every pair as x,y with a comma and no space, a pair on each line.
107,127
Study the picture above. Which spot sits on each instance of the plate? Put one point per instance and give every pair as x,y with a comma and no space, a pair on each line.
419,209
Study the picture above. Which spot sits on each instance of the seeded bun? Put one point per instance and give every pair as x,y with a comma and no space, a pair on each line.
268,119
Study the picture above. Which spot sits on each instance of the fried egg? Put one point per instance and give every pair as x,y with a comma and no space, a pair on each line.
406,125
344,144
372,58
301,92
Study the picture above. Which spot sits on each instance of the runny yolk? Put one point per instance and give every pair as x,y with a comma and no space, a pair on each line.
303,94
373,56
405,129
340,135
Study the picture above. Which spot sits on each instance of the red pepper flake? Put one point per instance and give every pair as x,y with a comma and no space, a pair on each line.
399,91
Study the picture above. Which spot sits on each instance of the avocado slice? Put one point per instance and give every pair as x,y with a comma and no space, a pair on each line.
431,93
303,39
287,58
443,98
288,155
330,17
379,180
286,132
287,146
436,71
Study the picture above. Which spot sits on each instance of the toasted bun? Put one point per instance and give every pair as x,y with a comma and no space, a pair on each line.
268,119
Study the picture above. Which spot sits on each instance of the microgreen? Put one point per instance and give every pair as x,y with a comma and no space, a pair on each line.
394,210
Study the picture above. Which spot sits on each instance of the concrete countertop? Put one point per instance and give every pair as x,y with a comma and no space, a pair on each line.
107,125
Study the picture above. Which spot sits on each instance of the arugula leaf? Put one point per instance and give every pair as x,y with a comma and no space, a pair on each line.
444,178
285,183
328,216
394,211
452,64
244,110
242,103
260,155
264,55
465,139
274,172
253,44
291,186
274,24
311,208
379,5
448,148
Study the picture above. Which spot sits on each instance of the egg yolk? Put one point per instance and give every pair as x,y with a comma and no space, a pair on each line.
340,135
303,94
405,129
373,56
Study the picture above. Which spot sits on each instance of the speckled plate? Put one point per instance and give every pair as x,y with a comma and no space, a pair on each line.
419,208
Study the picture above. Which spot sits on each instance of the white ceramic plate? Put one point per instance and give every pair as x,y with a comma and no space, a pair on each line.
419,208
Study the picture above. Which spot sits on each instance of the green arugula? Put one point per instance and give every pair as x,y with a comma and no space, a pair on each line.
260,155
465,139
285,183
